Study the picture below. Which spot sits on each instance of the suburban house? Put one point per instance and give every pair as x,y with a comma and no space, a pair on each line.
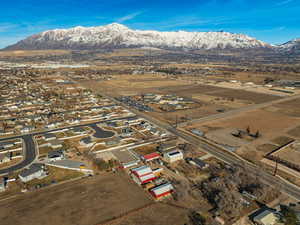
142,175
78,130
27,129
126,132
113,141
7,144
173,156
2,184
56,155
87,142
49,137
4,158
56,144
162,190
34,171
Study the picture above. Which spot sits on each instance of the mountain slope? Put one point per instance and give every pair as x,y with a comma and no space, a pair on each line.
117,36
291,46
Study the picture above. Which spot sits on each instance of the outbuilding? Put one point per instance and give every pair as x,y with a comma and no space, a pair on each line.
265,216
150,157
173,156
142,175
162,190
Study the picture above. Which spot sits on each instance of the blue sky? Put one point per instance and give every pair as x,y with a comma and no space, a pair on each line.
273,21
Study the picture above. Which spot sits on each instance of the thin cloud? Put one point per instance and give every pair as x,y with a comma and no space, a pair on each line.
284,2
128,17
6,27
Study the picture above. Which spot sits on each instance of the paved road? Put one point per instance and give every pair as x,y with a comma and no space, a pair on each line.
238,111
30,148
30,154
224,155
100,133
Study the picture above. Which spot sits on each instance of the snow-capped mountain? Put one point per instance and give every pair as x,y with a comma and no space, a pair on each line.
292,45
117,36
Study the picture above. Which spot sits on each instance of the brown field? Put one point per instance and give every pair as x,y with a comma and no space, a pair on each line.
86,202
195,90
289,154
157,214
210,98
273,127
32,53
132,84
270,124
290,108
295,132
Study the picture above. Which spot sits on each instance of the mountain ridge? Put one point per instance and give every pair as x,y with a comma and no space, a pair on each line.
117,36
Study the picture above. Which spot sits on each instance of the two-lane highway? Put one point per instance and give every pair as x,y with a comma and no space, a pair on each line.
222,154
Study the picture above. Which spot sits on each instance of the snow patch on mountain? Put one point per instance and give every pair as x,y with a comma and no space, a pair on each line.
117,35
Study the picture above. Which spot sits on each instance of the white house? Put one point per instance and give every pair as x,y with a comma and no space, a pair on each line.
49,137
2,185
56,155
34,171
4,158
87,142
173,156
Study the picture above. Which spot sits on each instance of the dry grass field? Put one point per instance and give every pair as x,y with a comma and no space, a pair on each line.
211,99
132,84
289,154
13,54
156,214
86,202
269,124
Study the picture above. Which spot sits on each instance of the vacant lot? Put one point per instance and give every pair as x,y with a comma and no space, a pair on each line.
295,132
269,124
32,53
157,214
211,99
132,84
195,90
85,202
290,154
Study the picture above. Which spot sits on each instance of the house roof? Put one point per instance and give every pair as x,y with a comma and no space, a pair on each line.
54,154
31,170
142,171
151,156
263,214
49,135
87,140
163,188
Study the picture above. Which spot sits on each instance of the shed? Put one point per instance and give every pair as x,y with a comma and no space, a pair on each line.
150,157
162,190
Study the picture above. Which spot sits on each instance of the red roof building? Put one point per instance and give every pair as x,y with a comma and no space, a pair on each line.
142,175
150,157
162,190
